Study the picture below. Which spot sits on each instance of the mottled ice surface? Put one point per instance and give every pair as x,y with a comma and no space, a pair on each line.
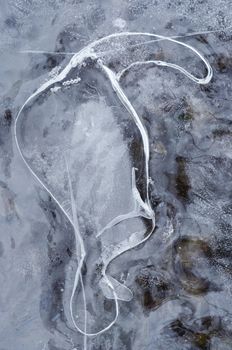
176,286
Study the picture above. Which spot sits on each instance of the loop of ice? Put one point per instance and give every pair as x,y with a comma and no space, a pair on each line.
111,288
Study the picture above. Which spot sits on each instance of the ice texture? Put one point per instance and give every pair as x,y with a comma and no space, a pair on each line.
115,155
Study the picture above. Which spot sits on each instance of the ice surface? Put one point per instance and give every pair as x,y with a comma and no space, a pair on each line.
121,134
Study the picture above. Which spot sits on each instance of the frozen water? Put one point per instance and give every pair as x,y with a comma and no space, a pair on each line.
121,134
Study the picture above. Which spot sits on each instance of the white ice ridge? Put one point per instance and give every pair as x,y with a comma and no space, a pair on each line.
142,208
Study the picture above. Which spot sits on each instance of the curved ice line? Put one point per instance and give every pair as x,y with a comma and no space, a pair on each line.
76,60
164,64
125,101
